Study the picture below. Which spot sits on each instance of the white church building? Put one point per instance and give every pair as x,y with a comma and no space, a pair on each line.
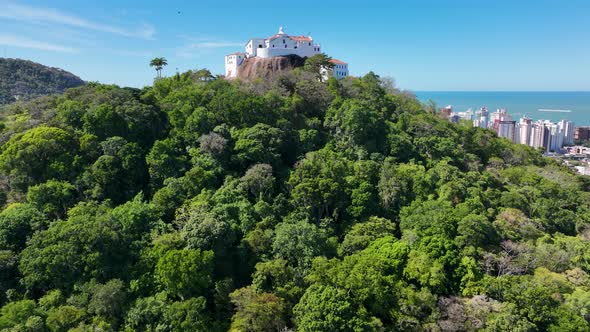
280,44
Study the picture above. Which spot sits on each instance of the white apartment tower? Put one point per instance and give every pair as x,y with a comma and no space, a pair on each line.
556,135
481,118
524,130
537,138
568,129
500,115
506,129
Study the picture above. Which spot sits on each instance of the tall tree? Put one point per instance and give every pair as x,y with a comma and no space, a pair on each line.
320,65
158,64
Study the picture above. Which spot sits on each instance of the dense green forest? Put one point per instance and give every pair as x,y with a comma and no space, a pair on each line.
23,80
202,204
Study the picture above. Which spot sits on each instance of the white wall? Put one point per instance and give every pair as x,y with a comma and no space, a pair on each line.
524,133
252,46
340,71
280,46
232,62
277,51
285,46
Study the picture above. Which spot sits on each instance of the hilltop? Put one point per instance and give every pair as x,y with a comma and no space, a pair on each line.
24,80
264,57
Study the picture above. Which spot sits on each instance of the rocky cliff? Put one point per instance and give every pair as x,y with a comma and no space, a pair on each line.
267,67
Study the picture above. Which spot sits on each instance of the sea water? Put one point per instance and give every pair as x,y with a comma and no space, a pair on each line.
573,106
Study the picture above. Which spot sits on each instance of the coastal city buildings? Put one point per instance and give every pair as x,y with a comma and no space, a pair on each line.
582,133
481,118
550,136
524,130
576,157
537,138
280,44
556,139
506,129
568,132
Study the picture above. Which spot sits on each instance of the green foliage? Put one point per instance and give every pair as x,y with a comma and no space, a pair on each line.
118,173
165,160
258,144
94,242
358,123
38,155
17,313
108,300
17,223
257,311
319,184
363,234
316,63
64,318
298,243
204,204
325,308
158,64
53,198
158,314
25,80
185,272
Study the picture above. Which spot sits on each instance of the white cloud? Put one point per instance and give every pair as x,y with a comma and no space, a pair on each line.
49,15
212,44
23,42
203,46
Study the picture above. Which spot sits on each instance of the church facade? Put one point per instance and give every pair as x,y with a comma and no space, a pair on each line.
279,44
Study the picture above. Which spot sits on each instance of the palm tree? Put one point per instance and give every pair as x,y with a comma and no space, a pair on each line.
158,63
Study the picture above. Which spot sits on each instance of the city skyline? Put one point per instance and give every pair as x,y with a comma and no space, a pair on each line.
424,45
539,133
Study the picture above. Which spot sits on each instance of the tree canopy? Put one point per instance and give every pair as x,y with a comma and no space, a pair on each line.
203,204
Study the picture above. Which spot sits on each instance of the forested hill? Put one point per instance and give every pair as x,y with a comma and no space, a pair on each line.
23,80
203,204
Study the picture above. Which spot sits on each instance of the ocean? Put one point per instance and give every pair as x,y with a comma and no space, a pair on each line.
518,104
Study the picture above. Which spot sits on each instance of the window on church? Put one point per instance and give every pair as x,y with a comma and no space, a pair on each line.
283,41
259,46
285,46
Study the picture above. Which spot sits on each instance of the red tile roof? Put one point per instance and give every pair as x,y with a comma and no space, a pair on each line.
236,53
301,38
295,38
276,36
338,62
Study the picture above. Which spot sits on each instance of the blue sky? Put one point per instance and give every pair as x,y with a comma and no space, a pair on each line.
423,44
